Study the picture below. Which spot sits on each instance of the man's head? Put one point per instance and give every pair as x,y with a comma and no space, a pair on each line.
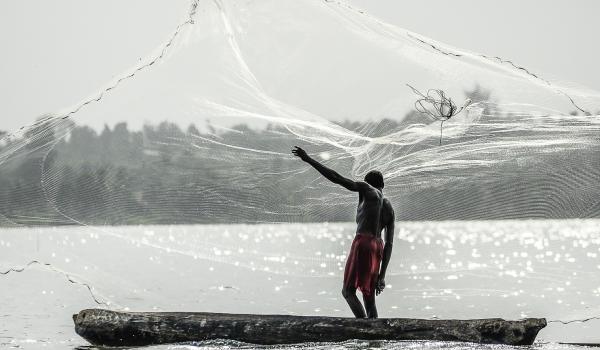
375,179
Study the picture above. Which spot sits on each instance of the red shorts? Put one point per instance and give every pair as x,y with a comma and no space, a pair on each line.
362,266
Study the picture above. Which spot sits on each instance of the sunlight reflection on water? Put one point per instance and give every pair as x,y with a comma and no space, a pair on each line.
508,269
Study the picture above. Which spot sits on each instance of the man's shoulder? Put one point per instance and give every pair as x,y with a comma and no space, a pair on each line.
364,187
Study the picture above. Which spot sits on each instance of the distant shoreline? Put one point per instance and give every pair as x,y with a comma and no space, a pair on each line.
349,223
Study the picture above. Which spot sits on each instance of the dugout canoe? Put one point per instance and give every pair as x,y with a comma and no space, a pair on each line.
111,328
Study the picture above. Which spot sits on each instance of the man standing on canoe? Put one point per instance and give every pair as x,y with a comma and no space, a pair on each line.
374,214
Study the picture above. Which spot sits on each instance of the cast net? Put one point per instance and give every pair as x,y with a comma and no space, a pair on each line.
227,97
200,132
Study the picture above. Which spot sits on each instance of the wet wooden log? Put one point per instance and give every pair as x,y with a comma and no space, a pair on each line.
104,327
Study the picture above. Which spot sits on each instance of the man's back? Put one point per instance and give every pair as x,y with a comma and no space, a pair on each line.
369,210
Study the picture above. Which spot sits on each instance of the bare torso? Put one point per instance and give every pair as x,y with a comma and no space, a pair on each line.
372,213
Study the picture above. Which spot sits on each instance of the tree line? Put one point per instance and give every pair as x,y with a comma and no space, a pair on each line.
162,174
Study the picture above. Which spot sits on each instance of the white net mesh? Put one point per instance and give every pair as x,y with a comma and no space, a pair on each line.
524,148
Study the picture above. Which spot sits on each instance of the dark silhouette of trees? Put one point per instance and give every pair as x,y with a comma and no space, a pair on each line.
164,175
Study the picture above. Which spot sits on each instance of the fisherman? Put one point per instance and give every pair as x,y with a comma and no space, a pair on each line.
373,214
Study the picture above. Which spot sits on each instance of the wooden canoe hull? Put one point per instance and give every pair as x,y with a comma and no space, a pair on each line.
105,327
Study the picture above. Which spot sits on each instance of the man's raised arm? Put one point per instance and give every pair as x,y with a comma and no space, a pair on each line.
330,174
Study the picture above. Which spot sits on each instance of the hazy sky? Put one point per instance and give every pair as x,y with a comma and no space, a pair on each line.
55,53
557,38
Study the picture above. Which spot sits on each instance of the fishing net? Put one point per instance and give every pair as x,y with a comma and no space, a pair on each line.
226,97
200,132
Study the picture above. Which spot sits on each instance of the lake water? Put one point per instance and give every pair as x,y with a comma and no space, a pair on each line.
508,269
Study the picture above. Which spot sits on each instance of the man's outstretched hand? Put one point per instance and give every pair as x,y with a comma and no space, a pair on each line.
380,286
300,153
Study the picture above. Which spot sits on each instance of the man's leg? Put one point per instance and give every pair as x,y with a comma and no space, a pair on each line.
370,305
349,294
